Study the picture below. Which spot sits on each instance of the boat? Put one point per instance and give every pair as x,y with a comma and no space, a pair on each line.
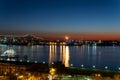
8,55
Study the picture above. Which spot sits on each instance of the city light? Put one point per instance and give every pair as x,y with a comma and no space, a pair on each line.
21,76
71,65
94,66
35,61
106,67
43,62
82,65
21,60
52,71
28,61
119,68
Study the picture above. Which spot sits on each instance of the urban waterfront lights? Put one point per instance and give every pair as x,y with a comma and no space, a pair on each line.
71,65
35,61
52,73
98,75
82,65
29,74
28,61
43,62
21,60
1,59
5,73
20,77
119,68
93,66
106,67
52,62
16,74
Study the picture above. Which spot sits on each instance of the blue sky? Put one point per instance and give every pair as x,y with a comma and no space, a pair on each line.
70,16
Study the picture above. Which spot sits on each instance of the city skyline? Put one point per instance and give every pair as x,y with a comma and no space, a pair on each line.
55,19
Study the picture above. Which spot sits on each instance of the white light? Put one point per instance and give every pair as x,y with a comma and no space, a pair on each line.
52,62
106,67
71,65
35,61
43,62
82,65
29,74
1,59
93,66
16,74
8,59
21,60
13,60
28,61
119,68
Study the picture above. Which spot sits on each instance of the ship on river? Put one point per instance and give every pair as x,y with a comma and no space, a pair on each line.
9,54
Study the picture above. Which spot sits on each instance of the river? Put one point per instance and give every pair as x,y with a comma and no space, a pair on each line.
98,57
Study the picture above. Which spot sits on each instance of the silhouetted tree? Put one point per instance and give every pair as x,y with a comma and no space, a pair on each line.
60,68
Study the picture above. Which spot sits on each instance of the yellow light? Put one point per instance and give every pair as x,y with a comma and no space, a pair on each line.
52,71
16,74
20,76
66,56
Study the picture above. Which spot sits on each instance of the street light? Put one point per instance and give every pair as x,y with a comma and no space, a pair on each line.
1,59
94,66
52,62
43,62
21,60
35,61
20,77
16,74
71,65
28,61
119,68
82,65
106,67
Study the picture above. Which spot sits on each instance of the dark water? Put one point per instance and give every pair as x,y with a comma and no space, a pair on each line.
76,56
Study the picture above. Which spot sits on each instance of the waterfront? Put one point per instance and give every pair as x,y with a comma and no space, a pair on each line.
99,57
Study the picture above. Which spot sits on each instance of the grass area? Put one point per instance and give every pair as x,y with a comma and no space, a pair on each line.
61,69
89,72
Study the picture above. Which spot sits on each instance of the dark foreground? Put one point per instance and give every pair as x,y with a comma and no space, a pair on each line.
18,70
15,70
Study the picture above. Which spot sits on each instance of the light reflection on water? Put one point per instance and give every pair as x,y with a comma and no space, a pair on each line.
52,54
76,55
64,54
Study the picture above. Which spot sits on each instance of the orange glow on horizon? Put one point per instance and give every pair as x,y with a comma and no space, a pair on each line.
66,37
88,36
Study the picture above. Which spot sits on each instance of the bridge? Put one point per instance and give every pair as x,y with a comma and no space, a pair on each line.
26,35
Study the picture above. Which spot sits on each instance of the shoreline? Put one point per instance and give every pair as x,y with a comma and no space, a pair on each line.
103,45
61,69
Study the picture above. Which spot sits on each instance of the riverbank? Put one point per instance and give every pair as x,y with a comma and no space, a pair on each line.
34,67
90,72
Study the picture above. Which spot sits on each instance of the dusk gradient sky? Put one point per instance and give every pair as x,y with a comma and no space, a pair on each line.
62,17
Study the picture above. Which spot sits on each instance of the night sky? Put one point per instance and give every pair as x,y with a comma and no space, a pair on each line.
62,17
